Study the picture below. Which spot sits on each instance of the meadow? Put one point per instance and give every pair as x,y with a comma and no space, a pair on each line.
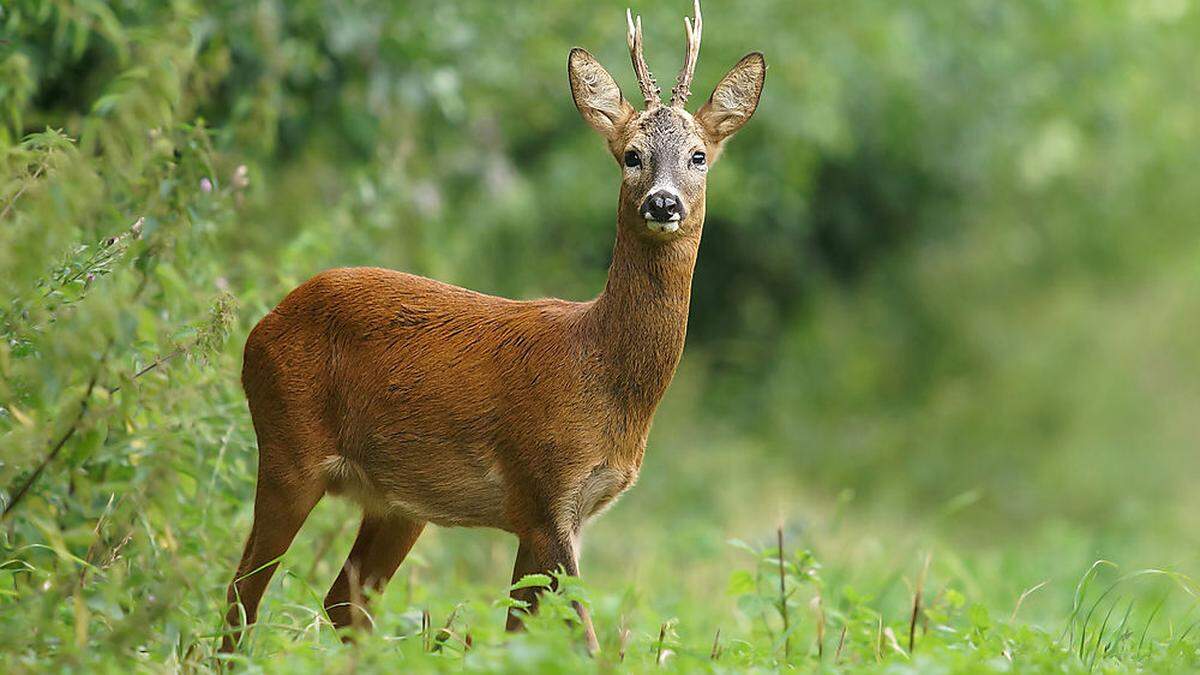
937,410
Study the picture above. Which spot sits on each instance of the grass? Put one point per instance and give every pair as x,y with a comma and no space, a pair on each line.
788,611
671,586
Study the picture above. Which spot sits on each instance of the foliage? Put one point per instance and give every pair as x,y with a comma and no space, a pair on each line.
945,304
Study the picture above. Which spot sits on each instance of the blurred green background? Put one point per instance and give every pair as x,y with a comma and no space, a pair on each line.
948,292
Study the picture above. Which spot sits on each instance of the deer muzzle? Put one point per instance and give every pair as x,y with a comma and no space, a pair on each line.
663,208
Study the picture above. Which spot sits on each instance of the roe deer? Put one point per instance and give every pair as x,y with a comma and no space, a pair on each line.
428,403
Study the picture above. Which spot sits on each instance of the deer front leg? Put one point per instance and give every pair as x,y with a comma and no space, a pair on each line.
543,552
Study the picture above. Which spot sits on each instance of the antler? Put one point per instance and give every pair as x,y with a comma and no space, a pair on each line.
646,83
683,85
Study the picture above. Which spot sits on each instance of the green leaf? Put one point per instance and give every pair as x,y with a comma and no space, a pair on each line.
741,582
532,581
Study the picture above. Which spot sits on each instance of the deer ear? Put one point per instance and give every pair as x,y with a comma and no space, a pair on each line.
735,98
596,94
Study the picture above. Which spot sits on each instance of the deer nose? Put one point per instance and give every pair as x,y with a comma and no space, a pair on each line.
663,206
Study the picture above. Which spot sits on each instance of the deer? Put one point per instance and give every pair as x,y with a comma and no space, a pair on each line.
424,402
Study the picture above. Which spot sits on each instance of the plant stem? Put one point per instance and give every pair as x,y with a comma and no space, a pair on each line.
24,186
783,610
58,446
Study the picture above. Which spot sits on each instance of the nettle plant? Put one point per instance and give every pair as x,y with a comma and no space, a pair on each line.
108,289
791,607
774,592
75,339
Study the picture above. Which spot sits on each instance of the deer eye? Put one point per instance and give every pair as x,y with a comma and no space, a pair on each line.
699,158
632,159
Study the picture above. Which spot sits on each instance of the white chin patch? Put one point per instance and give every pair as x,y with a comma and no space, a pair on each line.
667,227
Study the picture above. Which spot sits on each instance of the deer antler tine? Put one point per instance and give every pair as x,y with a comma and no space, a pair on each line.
683,85
646,83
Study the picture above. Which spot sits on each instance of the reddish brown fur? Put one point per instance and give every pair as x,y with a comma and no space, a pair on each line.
426,402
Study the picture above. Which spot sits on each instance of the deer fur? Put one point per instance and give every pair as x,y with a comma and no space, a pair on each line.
428,403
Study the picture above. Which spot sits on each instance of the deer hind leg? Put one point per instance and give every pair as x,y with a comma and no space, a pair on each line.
279,511
382,544
543,552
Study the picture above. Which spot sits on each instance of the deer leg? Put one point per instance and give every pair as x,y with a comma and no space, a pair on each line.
543,553
381,545
278,514
525,565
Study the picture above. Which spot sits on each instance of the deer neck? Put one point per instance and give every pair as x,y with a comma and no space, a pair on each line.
638,324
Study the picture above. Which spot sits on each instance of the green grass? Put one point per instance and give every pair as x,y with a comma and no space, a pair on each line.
677,584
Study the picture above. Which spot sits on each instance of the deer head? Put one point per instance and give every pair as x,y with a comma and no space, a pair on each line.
664,151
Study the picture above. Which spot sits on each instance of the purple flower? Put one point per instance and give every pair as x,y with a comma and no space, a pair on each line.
206,185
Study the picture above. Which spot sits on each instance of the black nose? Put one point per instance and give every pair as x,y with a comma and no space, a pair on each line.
663,206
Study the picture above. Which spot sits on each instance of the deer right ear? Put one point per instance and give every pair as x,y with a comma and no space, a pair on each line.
596,94
735,98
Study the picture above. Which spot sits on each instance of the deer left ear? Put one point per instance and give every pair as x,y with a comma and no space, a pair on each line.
597,95
735,98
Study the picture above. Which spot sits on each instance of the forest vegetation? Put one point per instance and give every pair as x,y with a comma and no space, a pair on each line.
938,406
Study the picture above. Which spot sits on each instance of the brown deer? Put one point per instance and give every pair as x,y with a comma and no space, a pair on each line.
428,403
